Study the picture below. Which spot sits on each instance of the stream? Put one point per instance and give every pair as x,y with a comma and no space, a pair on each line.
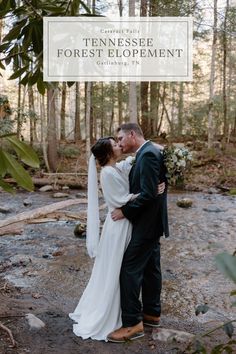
50,266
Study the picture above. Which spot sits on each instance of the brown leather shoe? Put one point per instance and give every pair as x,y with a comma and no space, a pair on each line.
152,321
125,334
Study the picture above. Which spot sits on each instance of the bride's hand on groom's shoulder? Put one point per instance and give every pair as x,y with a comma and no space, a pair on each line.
117,214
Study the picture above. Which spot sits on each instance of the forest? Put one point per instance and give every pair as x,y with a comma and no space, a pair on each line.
50,114
46,133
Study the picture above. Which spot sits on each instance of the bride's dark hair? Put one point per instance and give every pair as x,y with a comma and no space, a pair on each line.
102,150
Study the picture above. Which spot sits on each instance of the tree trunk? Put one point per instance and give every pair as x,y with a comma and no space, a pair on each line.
94,113
19,120
154,102
154,7
63,111
173,103
93,7
120,5
88,118
230,80
112,110
33,134
119,83
133,113
144,109
91,113
225,107
180,108
145,125
52,133
111,121
143,8
162,98
43,131
212,81
102,109
234,125
154,86
31,110
77,113
120,101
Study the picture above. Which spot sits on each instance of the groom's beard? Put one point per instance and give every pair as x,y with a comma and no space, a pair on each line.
128,150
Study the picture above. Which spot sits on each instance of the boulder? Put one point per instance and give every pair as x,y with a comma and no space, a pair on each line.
34,322
46,188
214,209
172,335
65,188
184,202
79,230
27,202
60,195
5,210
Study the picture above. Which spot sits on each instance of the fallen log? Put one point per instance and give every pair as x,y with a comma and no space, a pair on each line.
39,182
75,174
41,221
15,229
38,212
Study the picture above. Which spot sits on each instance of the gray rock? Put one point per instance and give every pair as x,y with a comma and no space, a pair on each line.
27,202
79,230
65,188
212,190
214,209
171,335
5,210
60,195
81,195
184,202
46,188
192,188
34,322
20,260
46,256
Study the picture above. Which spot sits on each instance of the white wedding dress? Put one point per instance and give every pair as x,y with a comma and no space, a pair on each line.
98,312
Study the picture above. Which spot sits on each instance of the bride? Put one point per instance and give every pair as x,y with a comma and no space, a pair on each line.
98,312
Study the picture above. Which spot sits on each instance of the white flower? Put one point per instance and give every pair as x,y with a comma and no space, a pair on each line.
176,162
180,153
182,163
132,161
174,158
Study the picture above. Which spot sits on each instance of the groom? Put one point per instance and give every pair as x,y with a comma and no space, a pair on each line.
141,268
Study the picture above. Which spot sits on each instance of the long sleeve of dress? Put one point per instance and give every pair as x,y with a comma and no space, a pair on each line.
125,165
115,187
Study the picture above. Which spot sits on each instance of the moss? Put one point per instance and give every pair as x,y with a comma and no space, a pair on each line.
232,191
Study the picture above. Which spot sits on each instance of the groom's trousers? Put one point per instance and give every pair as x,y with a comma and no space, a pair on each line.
140,270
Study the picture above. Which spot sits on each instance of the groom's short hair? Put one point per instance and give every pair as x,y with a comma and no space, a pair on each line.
127,127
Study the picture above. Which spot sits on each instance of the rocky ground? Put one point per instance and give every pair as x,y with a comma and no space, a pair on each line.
45,268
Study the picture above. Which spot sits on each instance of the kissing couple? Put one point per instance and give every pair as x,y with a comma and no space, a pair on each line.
127,255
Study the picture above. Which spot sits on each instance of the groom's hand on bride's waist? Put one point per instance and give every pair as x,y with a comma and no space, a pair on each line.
117,214
161,188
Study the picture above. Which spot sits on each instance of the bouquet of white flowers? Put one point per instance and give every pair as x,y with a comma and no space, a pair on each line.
177,161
